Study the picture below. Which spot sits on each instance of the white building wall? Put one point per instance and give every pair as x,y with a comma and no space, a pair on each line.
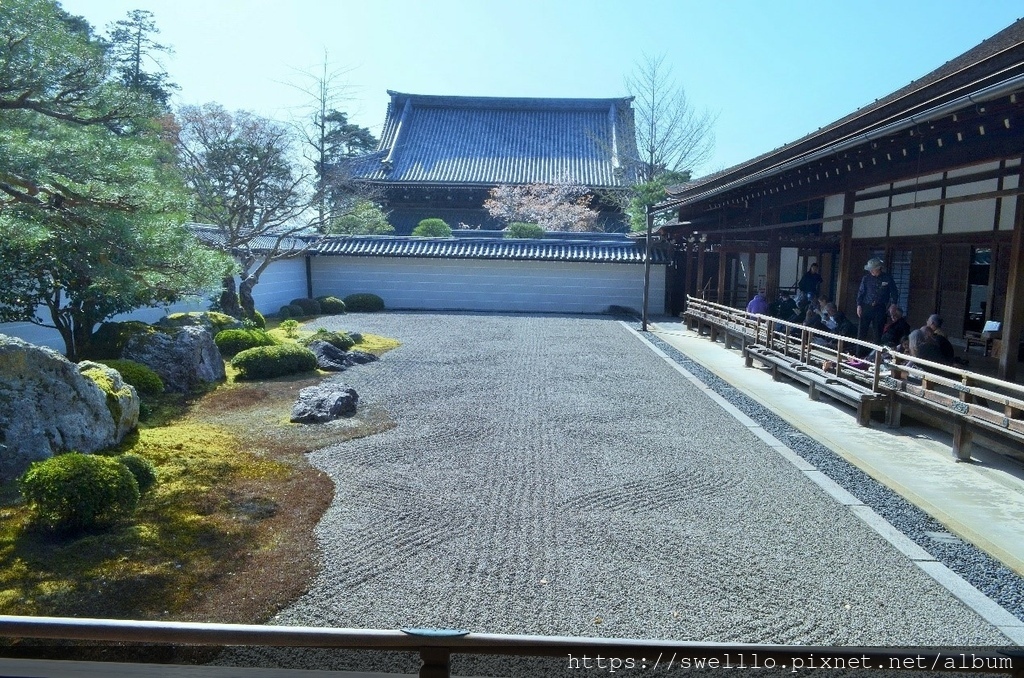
280,283
489,285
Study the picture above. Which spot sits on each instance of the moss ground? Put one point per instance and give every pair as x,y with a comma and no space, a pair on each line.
226,535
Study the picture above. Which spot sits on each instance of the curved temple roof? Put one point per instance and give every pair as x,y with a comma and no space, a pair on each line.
497,140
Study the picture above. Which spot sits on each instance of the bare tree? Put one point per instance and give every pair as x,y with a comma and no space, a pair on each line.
329,141
670,134
246,184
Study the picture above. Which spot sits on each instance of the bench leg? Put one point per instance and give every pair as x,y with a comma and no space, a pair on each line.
748,361
963,436
812,391
894,412
864,413
775,373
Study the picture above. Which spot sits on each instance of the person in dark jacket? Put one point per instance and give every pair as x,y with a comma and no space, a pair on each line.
876,293
896,329
810,284
941,340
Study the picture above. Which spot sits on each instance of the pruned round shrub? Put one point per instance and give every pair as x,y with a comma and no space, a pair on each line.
141,468
144,379
257,320
78,491
433,228
356,337
331,305
296,311
364,302
109,339
339,340
265,362
285,312
519,229
308,306
231,342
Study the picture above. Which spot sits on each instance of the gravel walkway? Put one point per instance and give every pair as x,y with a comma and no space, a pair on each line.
553,476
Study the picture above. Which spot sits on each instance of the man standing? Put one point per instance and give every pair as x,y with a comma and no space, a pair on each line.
876,293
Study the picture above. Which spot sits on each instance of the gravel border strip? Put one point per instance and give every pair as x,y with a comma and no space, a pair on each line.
953,563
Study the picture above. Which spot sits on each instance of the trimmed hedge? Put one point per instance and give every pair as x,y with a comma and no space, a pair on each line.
519,229
308,306
266,362
433,228
145,380
339,340
258,320
231,342
364,302
142,469
331,305
79,491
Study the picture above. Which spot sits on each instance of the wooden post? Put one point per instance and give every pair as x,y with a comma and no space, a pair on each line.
700,271
774,264
1013,312
845,255
722,260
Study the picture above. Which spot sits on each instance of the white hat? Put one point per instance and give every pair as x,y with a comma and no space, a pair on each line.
873,264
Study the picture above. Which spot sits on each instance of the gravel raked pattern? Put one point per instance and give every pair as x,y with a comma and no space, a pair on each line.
552,475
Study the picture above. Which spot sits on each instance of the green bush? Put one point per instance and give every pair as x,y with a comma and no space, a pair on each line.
214,320
290,328
519,229
308,306
265,362
285,312
145,380
109,339
364,302
142,469
231,342
433,228
296,311
340,340
331,305
257,320
78,491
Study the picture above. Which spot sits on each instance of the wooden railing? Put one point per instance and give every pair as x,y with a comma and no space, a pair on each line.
435,648
973,402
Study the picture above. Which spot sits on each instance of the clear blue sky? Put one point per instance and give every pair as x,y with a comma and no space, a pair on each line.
772,70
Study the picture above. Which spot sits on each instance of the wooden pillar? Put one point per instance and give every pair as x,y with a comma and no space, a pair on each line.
825,260
700,271
845,253
1013,312
774,264
722,261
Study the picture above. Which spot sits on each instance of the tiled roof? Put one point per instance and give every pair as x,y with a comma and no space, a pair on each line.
613,251
971,70
492,140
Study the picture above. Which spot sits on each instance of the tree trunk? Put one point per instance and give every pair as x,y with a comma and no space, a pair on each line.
248,304
229,298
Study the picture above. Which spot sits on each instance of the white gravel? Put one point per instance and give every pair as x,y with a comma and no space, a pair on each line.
551,475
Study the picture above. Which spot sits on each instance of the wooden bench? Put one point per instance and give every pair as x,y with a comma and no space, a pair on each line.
858,396
959,404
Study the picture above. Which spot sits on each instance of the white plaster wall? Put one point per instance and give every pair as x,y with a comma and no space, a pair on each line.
280,283
967,217
833,208
919,221
1008,210
283,281
488,285
870,226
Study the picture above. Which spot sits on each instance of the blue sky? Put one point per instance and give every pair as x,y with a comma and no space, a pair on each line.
771,71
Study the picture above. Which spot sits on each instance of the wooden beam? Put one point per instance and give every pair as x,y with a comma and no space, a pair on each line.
1013,313
845,245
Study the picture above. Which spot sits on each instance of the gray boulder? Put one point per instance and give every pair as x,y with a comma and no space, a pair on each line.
324,402
328,356
122,399
185,359
47,406
213,322
360,357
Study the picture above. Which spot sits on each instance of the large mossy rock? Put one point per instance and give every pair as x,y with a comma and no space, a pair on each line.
213,321
122,399
47,406
186,359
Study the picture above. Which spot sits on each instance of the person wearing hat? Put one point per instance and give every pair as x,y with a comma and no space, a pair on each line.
876,293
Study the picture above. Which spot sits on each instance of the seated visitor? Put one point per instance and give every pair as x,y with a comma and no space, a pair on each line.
935,325
896,328
759,304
